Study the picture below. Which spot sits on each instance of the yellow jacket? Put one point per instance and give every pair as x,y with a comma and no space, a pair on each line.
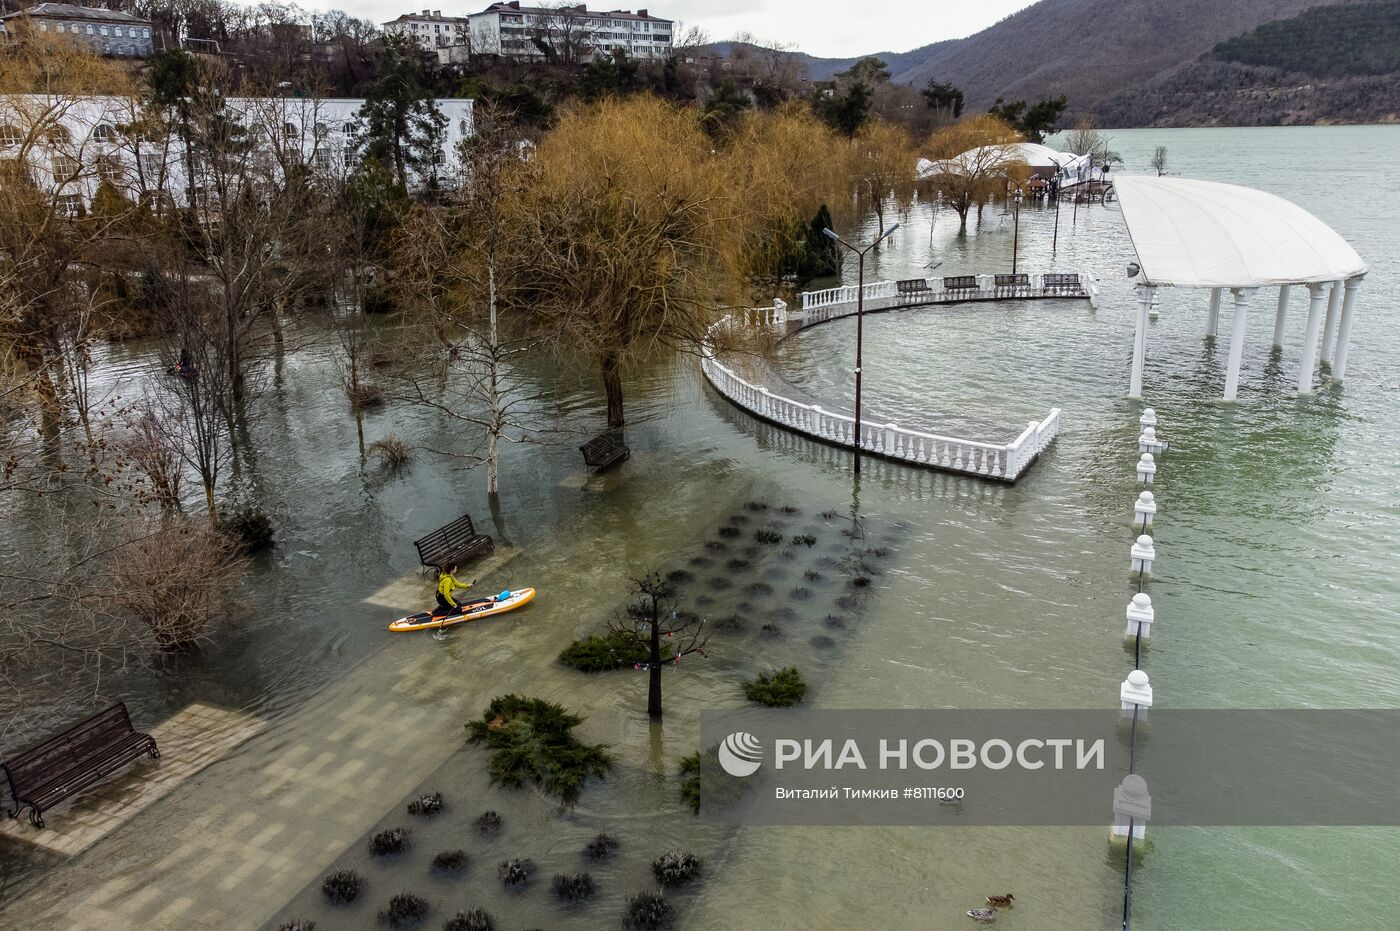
447,583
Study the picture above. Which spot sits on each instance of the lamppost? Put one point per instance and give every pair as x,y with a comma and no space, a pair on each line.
1016,235
860,313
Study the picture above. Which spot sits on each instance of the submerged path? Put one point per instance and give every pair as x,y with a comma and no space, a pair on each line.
986,451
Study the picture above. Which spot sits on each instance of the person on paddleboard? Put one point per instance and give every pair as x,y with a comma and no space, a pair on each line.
448,585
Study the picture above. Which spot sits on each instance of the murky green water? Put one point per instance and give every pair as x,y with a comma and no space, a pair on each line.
1276,588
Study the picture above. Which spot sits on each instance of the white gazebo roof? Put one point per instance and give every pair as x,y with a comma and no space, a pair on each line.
990,157
1202,234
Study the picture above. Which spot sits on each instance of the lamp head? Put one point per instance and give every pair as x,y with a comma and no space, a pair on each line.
1133,269
830,234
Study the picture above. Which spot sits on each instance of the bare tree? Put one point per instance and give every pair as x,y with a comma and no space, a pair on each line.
561,33
1159,160
457,259
971,163
650,616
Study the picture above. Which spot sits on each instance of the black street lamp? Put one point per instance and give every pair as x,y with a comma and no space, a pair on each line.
860,313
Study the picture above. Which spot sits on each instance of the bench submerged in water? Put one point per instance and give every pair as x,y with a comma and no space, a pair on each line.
604,450
64,765
453,544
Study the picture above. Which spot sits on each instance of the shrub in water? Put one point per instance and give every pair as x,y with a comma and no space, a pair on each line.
533,742
690,780
602,846
426,805
737,565
756,506
801,594
835,621
879,552
760,588
788,509
677,576
812,575
391,451
387,843
364,395
729,531
647,911
488,823
704,600
781,689
676,868
699,561
767,535
477,919
716,545
738,519
301,924
770,630
613,650
827,515
450,861
728,622
516,872
847,602
720,583
572,887
249,528
822,642
404,909
342,886
804,539
860,581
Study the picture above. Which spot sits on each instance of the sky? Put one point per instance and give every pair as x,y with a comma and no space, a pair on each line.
828,28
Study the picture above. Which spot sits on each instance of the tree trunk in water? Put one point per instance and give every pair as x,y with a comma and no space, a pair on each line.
209,501
493,445
612,389
654,690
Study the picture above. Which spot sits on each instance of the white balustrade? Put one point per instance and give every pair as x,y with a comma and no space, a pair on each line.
1000,461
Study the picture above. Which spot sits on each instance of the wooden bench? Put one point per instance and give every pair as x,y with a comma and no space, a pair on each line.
1062,284
64,765
1011,285
960,283
454,543
604,450
911,289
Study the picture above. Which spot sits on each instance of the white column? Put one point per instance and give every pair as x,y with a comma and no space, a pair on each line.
1339,358
1282,313
1232,371
1213,318
1329,326
1145,295
1317,293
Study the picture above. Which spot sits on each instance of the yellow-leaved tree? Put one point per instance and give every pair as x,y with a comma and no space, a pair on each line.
971,162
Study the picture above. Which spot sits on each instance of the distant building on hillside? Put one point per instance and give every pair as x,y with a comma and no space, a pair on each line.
567,34
109,32
70,146
430,30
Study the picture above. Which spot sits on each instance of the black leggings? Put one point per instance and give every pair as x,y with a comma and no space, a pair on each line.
444,606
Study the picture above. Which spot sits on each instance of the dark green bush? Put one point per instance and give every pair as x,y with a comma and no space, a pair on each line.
404,909
781,689
768,535
647,911
676,868
573,887
515,872
612,650
426,805
600,847
533,742
249,528
387,843
342,886
476,919
450,861
690,780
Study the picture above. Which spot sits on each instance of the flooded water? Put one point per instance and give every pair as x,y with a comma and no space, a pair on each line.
1277,588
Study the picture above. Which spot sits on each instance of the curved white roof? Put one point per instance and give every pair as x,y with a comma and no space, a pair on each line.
989,158
1202,234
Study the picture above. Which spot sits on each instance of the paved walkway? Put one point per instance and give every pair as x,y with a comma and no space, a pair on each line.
228,850
188,742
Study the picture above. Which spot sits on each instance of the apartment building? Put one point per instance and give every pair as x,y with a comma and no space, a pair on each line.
567,34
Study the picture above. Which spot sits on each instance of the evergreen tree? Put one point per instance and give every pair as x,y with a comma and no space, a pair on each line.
847,111
724,109
402,126
1034,121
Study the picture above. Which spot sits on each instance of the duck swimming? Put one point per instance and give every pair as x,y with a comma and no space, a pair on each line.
982,914
1001,901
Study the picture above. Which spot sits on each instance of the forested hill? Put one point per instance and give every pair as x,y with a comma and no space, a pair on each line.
1362,38
1338,64
1114,59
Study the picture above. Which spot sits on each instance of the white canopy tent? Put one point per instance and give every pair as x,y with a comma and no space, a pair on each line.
1202,234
